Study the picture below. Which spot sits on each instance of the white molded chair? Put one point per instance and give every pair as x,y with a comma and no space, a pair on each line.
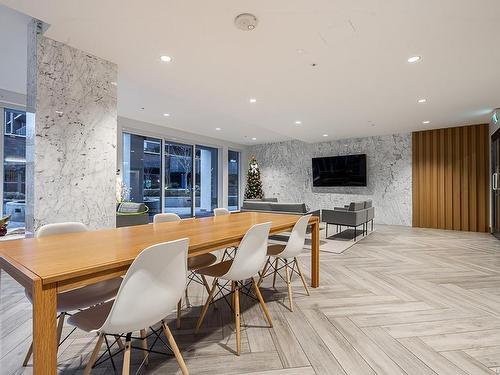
79,298
165,218
150,290
288,255
194,263
249,258
221,211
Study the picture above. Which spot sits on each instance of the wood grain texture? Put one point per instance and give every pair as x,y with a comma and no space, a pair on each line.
450,178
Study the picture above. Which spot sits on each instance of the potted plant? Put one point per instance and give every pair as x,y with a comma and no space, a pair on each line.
4,221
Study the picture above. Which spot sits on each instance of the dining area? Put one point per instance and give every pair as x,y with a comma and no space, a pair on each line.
130,286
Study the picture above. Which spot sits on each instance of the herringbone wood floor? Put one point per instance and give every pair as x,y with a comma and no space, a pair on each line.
402,301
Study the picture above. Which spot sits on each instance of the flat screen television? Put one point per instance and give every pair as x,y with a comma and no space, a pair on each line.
345,170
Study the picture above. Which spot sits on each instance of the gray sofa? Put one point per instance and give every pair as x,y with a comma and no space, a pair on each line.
354,215
272,205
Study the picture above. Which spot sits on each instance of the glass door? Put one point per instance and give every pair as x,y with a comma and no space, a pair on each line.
14,167
206,189
142,171
495,177
178,175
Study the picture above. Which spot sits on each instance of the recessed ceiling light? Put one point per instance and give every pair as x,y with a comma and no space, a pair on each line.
414,59
114,83
59,112
253,100
166,114
165,58
422,100
426,122
218,129
254,139
300,51
298,122
325,135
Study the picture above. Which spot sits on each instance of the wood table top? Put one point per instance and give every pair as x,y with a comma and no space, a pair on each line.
62,257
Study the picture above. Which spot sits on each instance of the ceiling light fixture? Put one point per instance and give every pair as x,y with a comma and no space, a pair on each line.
165,58
253,100
218,129
414,59
298,122
325,135
422,100
166,114
426,122
254,139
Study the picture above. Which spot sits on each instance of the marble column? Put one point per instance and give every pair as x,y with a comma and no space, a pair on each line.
71,136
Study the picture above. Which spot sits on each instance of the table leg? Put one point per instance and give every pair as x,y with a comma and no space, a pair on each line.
315,254
44,329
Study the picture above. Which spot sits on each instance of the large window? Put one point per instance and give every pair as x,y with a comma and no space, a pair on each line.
142,170
170,176
206,190
233,172
179,179
14,167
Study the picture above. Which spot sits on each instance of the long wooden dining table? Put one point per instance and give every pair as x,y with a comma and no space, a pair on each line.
54,264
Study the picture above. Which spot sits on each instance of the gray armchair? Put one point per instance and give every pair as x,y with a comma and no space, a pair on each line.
353,215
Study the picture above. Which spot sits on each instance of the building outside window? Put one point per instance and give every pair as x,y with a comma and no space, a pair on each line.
233,166
14,167
142,170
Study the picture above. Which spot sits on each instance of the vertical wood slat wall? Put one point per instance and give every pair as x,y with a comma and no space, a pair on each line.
451,178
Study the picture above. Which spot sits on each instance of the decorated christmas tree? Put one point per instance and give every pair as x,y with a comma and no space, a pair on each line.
254,184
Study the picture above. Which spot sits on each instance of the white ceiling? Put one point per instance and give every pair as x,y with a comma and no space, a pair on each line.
13,49
360,48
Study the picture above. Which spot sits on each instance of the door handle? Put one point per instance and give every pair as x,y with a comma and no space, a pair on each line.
494,181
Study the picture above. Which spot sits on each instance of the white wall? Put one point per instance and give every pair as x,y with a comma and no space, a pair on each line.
158,131
13,53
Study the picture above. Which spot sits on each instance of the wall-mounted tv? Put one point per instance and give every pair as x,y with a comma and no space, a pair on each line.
345,170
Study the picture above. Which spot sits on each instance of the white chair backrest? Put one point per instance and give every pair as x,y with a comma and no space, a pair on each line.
164,218
60,228
221,211
152,286
297,239
251,253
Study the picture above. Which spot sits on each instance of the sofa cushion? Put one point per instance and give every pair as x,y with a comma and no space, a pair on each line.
289,207
256,205
356,206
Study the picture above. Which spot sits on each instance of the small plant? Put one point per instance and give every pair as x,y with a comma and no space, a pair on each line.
4,221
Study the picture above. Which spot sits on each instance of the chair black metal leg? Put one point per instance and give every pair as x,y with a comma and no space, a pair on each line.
354,234
326,230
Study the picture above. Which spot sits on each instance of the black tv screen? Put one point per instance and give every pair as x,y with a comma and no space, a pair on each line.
346,170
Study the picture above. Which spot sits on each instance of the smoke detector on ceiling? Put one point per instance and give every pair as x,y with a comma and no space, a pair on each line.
246,22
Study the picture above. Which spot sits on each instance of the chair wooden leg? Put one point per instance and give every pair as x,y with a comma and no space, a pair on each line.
144,337
275,272
289,285
205,283
126,356
232,294
175,349
94,354
301,276
179,308
262,303
237,318
264,270
60,325
207,304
